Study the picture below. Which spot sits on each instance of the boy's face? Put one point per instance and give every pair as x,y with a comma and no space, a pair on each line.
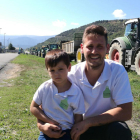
59,73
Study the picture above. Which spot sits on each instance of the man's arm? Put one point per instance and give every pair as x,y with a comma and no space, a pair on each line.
122,112
39,114
78,118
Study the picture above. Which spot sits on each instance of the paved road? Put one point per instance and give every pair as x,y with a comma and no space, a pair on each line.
6,57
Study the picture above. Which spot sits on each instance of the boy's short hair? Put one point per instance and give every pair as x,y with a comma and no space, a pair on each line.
53,57
95,30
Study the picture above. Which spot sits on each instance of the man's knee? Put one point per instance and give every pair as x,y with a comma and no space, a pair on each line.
119,131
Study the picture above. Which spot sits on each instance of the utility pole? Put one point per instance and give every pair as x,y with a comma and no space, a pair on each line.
0,37
4,40
8,41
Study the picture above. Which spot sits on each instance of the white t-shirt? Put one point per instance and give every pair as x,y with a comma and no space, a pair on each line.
60,107
111,89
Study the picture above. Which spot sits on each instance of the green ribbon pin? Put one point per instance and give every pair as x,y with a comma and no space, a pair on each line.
64,104
106,93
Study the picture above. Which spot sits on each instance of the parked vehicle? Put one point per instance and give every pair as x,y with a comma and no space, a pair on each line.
126,49
39,52
36,52
47,48
73,48
44,49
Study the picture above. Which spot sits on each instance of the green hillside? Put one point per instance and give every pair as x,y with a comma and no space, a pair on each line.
115,29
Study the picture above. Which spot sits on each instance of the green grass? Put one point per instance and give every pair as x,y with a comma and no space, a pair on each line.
135,87
16,121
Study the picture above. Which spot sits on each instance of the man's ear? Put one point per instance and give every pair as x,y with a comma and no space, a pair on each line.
69,67
108,47
82,47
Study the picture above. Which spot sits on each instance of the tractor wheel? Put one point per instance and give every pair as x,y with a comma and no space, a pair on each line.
42,55
79,56
116,53
137,63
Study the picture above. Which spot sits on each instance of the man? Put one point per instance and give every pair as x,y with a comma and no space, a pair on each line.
106,89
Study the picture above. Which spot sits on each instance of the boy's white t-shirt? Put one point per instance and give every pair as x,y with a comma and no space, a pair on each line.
60,107
111,89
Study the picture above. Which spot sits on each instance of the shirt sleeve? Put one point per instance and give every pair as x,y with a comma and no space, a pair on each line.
38,95
122,89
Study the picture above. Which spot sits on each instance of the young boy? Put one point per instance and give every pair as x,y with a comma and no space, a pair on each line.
62,101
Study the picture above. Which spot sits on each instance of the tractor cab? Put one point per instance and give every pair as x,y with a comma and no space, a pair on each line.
53,46
132,32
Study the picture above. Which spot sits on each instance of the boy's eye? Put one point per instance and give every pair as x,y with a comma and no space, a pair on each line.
60,69
51,70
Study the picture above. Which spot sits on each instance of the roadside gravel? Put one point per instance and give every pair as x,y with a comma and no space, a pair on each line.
9,71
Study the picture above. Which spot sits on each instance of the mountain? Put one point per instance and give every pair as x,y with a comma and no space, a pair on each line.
23,41
115,29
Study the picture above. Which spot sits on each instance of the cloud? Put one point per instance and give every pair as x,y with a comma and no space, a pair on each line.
59,23
75,23
119,14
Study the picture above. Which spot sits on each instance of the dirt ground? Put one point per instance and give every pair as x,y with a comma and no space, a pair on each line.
13,70
8,72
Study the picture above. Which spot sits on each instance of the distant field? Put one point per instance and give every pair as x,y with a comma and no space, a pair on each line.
16,121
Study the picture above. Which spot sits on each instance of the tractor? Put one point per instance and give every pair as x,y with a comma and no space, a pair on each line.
126,49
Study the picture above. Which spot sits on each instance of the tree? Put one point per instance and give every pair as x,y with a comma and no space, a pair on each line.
10,47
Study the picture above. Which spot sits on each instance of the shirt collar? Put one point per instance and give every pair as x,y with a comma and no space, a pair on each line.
63,94
104,76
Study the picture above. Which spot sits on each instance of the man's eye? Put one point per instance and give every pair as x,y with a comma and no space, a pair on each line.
89,47
99,47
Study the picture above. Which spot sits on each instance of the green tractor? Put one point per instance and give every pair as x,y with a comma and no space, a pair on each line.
39,52
36,52
47,48
44,50
126,49
53,46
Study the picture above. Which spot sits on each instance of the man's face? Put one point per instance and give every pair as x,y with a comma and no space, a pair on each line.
95,49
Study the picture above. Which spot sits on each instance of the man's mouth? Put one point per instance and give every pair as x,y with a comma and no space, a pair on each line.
94,57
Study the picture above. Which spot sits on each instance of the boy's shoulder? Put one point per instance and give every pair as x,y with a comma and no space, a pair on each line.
74,88
45,84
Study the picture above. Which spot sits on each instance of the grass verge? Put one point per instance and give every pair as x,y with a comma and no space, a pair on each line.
16,121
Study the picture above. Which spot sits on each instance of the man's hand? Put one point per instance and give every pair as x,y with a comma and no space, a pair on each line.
78,129
52,131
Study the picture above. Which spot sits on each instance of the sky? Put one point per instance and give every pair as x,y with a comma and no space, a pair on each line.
52,17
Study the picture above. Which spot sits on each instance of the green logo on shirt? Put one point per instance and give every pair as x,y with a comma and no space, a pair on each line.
64,104
106,93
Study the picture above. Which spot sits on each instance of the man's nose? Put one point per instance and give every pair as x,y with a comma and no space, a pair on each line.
94,50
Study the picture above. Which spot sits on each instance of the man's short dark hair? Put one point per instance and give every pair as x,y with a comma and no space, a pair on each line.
53,57
95,30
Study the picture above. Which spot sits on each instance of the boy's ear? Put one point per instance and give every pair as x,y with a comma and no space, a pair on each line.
69,68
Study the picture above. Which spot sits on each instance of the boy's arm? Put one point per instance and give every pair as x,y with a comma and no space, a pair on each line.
51,130
39,114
